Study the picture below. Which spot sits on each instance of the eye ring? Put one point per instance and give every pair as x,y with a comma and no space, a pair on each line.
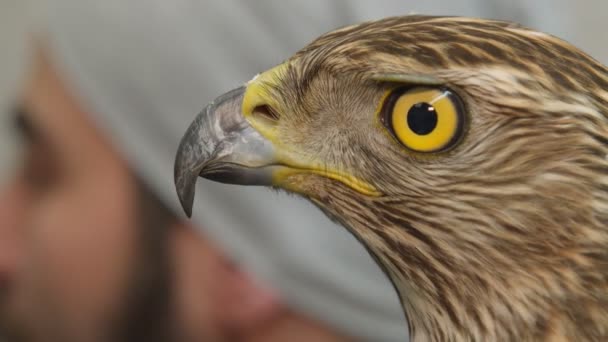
424,119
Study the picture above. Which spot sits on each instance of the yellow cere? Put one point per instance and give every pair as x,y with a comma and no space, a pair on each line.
447,119
356,184
256,94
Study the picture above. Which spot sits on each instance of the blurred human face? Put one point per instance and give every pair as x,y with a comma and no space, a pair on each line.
68,243
87,254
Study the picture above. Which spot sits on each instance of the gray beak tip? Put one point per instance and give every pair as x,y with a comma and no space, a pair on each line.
220,145
187,209
185,192
185,178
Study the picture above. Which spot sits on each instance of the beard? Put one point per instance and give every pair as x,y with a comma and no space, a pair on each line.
145,313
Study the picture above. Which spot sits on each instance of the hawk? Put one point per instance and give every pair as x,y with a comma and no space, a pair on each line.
469,156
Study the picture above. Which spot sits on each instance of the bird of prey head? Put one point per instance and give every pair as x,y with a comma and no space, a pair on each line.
468,156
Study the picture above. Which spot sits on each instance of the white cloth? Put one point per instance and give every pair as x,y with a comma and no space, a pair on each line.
144,69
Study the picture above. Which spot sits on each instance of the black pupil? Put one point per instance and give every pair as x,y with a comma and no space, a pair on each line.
422,118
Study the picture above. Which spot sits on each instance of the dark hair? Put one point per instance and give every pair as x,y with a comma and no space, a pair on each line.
148,315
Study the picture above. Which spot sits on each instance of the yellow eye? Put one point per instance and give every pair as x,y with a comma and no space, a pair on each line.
424,119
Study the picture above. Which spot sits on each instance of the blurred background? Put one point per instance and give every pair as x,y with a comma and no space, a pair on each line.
15,17
581,22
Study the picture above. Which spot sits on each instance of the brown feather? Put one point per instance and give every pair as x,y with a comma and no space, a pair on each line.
504,237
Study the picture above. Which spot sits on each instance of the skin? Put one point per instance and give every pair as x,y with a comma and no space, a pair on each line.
72,247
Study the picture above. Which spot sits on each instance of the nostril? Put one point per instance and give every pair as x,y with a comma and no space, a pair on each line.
5,275
3,283
265,112
8,264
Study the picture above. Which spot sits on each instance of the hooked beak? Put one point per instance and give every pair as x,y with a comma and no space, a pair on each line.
221,145
228,143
